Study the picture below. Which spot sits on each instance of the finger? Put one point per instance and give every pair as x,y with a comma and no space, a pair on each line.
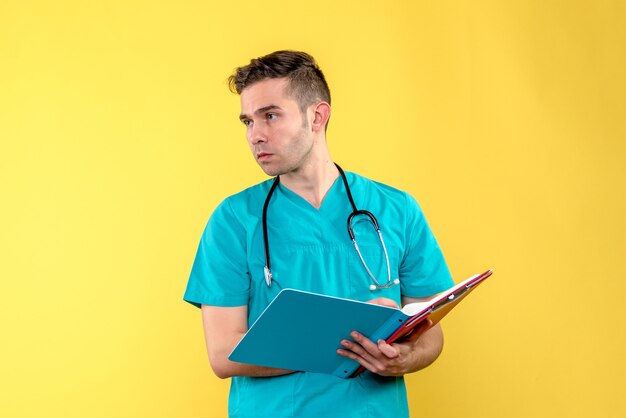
373,362
365,342
384,302
388,350
371,354
353,347
369,365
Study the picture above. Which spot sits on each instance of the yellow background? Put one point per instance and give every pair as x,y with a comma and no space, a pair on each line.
119,136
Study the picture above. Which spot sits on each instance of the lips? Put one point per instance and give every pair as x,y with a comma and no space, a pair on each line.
263,155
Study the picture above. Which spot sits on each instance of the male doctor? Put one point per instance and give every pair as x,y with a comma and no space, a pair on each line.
285,108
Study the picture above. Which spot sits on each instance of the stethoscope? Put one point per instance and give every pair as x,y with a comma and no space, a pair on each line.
355,212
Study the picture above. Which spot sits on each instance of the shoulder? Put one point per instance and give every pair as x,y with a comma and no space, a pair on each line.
250,195
238,208
390,204
380,191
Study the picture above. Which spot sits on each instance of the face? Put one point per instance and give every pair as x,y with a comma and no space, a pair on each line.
278,133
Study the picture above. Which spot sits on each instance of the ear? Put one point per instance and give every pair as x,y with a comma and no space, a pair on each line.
321,114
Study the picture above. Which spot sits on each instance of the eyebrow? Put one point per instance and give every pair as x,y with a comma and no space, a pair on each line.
263,109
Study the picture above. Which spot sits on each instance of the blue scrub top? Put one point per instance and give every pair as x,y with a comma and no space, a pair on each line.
311,250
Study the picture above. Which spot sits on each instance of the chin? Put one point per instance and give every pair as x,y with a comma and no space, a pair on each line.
274,169
271,171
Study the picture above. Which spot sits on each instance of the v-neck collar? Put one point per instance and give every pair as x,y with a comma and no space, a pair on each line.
330,203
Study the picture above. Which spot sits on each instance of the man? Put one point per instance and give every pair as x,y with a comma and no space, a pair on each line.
285,107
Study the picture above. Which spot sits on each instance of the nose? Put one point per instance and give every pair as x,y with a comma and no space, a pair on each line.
256,134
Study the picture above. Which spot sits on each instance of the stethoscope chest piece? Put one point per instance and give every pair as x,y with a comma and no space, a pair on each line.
268,276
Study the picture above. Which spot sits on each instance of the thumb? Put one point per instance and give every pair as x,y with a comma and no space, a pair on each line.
388,350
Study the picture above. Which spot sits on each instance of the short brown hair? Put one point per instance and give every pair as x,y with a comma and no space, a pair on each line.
307,83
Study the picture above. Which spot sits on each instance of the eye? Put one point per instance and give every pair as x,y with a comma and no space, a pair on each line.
271,116
246,122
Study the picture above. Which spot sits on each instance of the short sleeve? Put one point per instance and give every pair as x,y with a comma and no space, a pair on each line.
423,271
219,274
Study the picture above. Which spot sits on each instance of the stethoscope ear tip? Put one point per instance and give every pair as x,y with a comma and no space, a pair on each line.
372,287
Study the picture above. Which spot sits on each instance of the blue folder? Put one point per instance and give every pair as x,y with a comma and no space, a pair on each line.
301,330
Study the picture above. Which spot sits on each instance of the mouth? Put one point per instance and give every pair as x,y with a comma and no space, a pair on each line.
260,156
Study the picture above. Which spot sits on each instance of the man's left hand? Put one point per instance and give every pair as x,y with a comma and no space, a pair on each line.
395,359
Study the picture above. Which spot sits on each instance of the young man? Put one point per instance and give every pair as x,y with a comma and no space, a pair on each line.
285,107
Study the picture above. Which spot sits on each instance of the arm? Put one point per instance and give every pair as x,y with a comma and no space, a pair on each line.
223,329
408,355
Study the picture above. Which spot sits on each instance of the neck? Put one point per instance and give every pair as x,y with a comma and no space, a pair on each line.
312,182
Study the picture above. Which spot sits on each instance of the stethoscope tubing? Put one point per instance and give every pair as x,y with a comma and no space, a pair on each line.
267,271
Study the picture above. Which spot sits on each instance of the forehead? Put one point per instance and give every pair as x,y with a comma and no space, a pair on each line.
268,92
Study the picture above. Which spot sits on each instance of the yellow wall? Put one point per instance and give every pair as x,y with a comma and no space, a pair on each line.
118,137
